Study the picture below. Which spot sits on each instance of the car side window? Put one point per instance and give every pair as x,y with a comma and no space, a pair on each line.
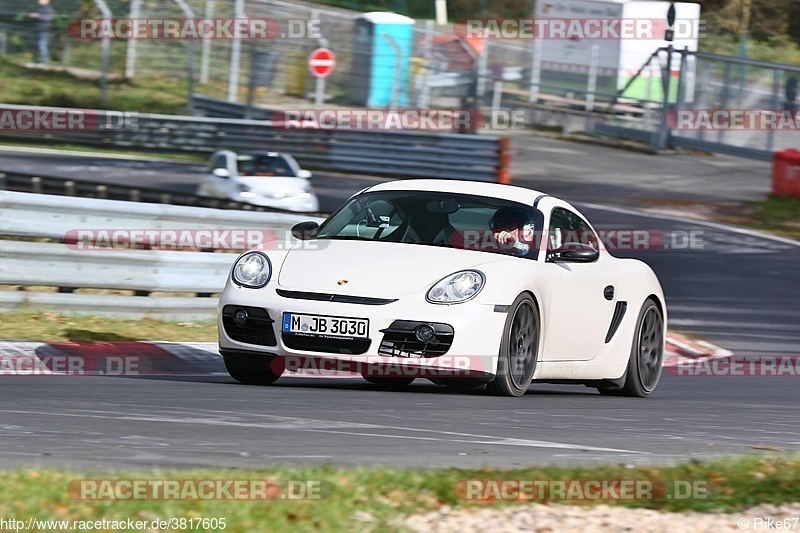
219,161
567,227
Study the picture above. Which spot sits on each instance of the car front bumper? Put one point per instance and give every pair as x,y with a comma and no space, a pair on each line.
472,353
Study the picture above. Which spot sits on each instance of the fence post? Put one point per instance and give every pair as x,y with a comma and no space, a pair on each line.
424,98
666,84
777,78
36,185
188,13
102,192
69,188
2,181
705,86
205,54
130,51
591,86
536,72
725,96
105,50
236,52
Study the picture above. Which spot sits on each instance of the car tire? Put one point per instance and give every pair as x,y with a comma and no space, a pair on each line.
646,357
252,370
519,349
390,383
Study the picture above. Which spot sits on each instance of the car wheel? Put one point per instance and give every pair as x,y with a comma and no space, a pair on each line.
519,349
647,355
390,383
252,370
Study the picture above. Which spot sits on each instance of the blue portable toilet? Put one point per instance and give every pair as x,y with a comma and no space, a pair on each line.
383,43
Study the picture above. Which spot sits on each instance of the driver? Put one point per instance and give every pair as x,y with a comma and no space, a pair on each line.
513,230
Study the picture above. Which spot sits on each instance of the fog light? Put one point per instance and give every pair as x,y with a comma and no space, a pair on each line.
425,333
240,317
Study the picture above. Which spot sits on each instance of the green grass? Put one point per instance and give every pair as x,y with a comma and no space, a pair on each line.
21,85
373,498
777,214
43,326
182,156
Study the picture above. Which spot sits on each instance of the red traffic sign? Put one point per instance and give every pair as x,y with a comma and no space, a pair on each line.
321,62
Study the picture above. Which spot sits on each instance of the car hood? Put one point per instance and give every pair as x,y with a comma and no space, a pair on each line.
271,184
374,269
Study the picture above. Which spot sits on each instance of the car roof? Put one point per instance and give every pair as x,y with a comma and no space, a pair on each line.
260,153
477,188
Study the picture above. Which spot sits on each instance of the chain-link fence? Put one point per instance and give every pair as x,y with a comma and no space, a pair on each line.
717,103
440,69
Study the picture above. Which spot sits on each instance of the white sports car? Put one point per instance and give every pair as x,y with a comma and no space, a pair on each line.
269,179
468,284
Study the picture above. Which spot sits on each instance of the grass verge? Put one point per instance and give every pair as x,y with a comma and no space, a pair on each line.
777,214
101,151
43,326
374,498
21,85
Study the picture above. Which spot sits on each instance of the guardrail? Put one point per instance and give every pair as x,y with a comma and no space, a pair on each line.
400,154
68,267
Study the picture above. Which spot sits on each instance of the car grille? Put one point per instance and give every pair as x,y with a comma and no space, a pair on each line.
340,298
399,340
326,345
257,329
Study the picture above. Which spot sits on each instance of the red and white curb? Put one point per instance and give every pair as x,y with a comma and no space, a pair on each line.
679,349
149,358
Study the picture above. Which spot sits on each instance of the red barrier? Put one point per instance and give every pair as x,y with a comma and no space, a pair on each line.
786,173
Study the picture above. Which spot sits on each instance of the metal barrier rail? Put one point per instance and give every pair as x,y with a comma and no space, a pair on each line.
145,271
385,153
55,264
36,215
43,184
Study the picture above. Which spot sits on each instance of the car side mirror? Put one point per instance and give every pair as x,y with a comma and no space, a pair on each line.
304,174
221,173
573,253
305,230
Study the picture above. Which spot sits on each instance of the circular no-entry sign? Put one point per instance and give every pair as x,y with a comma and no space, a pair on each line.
321,62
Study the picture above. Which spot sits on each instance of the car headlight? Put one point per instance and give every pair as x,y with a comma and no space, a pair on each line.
456,288
252,270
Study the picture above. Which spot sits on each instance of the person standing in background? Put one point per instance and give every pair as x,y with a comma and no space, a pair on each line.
42,18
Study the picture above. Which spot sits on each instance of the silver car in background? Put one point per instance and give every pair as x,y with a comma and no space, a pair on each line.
269,179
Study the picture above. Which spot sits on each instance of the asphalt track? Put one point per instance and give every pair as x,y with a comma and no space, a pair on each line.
737,290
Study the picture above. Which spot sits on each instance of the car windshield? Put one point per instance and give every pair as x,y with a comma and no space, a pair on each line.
437,219
264,165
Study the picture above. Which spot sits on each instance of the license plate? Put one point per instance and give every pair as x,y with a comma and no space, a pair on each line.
325,326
